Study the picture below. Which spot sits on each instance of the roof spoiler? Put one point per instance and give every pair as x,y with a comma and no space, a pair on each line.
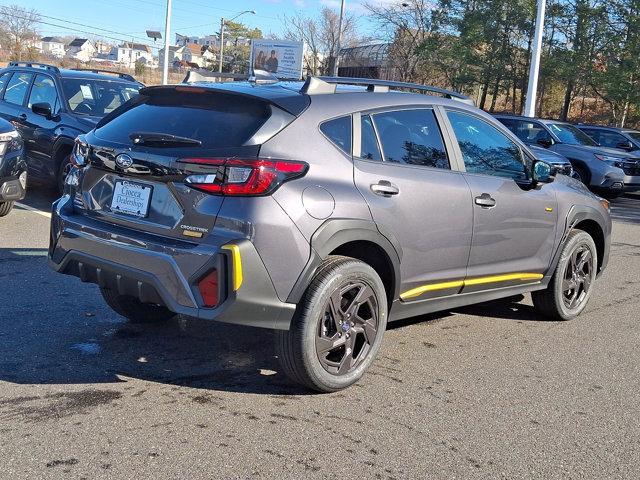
202,75
327,85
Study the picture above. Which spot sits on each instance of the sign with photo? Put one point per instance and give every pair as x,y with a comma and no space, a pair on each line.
283,58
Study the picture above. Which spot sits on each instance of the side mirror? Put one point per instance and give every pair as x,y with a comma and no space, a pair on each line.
545,142
43,109
542,172
626,145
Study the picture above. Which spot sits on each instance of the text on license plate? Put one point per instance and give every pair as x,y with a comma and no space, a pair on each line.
131,198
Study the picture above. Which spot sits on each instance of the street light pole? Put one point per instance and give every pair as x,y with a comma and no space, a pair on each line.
167,29
338,43
534,70
223,22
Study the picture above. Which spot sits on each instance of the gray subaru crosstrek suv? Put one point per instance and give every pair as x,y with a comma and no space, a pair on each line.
322,211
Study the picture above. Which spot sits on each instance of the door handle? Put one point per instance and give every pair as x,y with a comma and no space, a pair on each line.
22,116
485,201
384,188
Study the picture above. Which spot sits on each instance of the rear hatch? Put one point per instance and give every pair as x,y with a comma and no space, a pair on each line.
141,158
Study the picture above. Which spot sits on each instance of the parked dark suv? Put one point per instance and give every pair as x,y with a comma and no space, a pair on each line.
625,139
321,211
607,171
51,106
13,168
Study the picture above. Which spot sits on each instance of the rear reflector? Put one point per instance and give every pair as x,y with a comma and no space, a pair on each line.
208,287
243,177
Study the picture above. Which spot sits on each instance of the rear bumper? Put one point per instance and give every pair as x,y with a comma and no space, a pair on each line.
166,272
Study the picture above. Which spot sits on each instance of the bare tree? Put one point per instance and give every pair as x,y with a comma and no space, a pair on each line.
320,34
406,26
18,30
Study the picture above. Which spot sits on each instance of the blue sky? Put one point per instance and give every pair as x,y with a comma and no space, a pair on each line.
130,18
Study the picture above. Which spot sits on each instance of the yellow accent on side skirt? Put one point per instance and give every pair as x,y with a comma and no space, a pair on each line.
237,265
416,292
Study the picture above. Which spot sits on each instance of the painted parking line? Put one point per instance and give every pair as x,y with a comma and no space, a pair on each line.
34,210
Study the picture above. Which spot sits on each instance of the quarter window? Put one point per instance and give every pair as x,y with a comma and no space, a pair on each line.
17,88
369,142
486,150
339,132
411,137
44,91
4,78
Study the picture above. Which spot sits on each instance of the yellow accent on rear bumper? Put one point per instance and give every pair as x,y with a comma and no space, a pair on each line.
416,292
236,261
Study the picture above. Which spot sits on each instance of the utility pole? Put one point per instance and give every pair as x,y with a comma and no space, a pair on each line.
221,44
223,22
167,30
534,70
335,60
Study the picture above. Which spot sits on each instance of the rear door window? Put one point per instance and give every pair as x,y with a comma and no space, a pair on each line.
338,131
215,119
411,137
17,88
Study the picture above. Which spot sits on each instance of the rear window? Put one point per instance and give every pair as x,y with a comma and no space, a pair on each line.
215,119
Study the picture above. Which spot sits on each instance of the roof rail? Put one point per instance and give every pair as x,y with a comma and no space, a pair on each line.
44,66
124,76
320,85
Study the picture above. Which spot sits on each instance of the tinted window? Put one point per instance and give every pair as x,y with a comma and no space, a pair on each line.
217,120
96,97
369,142
571,135
43,91
17,88
485,149
634,135
339,132
611,139
411,137
529,132
4,78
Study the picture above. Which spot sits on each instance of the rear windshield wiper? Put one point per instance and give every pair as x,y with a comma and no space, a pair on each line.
162,139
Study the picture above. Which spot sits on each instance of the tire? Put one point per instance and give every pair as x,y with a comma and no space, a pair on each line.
65,165
583,173
552,302
5,208
351,331
134,310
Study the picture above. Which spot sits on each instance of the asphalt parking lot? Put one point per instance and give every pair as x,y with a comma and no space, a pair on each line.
490,391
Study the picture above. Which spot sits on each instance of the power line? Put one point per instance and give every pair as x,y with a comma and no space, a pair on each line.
75,29
92,26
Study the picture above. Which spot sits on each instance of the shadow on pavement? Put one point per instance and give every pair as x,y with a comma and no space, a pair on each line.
56,330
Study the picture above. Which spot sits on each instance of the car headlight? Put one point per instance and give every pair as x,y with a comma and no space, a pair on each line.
10,141
615,161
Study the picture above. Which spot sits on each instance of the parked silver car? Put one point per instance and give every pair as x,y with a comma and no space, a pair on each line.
321,211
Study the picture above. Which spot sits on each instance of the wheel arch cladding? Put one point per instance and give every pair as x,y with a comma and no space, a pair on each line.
358,239
62,148
595,231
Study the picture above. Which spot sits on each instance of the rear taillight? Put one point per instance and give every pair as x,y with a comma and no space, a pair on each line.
243,177
209,288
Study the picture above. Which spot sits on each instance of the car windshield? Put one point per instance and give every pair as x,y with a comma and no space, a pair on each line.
97,97
634,135
571,135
